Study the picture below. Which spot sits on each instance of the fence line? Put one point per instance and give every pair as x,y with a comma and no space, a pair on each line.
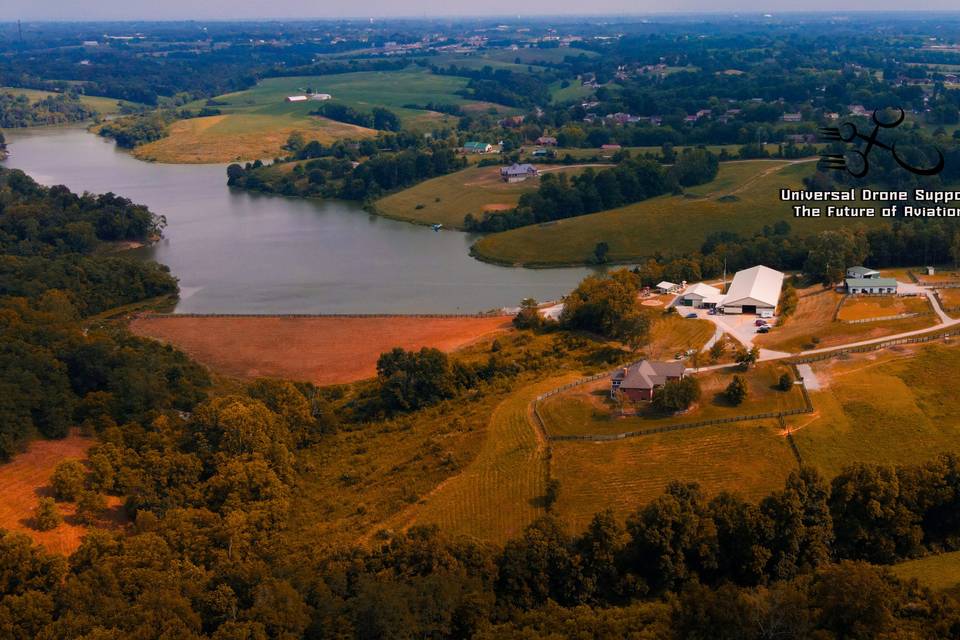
875,346
899,316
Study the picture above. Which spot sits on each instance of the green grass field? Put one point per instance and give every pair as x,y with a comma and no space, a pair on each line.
104,106
672,224
362,91
447,199
882,408
749,458
588,410
938,572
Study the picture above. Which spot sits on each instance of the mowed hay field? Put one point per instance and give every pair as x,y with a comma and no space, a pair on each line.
814,319
246,136
865,307
501,491
448,199
896,406
588,409
324,350
749,458
26,479
743,198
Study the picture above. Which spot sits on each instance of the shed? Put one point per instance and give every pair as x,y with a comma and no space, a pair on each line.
874,286
667,287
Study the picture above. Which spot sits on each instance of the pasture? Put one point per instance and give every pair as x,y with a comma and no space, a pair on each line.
749,458
588,409
239,137
743,198
896,406
323,350
812,325
448,199
104,106
867,307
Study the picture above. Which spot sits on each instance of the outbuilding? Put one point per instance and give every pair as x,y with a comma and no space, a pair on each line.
667,287
753,290
873,286
862,273
700,295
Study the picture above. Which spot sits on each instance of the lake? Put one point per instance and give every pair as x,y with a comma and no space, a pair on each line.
240,252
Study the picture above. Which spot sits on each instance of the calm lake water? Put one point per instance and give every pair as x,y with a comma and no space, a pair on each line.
239,252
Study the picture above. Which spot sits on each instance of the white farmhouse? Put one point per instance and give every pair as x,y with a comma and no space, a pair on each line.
753,290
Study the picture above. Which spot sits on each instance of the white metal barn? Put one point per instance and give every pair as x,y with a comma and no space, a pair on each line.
753,290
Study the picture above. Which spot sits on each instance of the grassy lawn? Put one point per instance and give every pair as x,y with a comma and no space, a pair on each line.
242,136
864,307
104,106
743,198
882,407
587,409
938,572
749,458
814,319
448,199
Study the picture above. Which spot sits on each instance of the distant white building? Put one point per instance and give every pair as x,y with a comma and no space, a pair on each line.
667,287
320,96
297,98
753,290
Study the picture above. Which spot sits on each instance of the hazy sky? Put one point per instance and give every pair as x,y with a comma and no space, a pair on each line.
246,9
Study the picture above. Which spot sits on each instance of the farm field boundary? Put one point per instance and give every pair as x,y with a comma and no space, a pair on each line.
542,425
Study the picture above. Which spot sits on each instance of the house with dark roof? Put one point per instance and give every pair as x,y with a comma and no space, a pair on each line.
640,381
518,172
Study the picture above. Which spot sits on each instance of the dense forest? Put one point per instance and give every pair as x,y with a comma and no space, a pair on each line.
52,273
16,110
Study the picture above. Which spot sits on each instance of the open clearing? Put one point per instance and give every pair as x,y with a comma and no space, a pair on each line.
26,479
588,409
104,106
814,319
883,407
743,198
237,137
749,458
448,199
865,307
949,298
939,572
324,350
500,492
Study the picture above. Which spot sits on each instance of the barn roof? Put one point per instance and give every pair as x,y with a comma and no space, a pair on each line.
757,285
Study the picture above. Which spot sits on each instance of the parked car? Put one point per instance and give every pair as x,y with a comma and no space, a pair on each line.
763,329
760,323
691,315
712,311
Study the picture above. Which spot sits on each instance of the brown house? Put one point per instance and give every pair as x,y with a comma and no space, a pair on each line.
640,381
